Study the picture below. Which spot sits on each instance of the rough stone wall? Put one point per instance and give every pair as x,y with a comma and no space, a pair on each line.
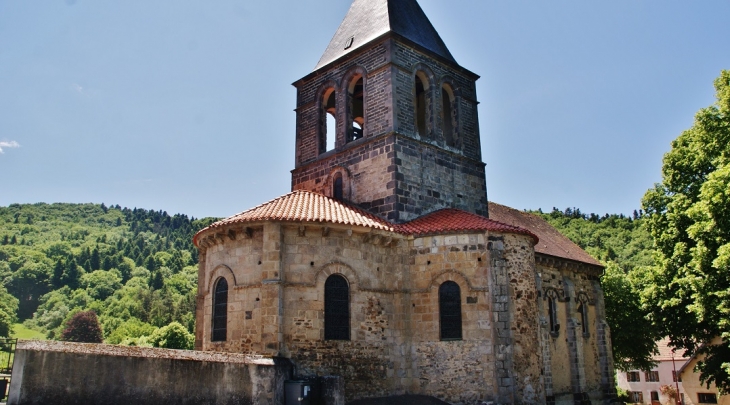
373,63
408,59
72,373
423,173
456,371
369,178
579,363
241,262
428,179
373,265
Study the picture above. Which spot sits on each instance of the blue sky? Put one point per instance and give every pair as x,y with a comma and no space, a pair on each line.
187,106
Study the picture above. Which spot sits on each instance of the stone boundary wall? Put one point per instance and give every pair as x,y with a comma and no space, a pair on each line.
77,373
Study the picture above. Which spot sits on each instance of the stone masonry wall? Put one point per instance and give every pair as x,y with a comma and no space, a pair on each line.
425,173
395,344
586,375
75,373
428,179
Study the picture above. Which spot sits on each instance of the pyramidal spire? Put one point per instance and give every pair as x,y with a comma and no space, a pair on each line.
370,19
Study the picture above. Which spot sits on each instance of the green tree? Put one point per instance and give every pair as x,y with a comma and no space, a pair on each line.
688,292
8,310
633,343
83,327
173,336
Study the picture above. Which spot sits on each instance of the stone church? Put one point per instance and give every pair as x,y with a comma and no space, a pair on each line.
386,264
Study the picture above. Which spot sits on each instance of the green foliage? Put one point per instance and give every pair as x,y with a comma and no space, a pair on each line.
132,328
173,336
689,220
632,341
60,259
8,309
83,327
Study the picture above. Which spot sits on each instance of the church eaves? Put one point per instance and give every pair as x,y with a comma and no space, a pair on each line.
370,19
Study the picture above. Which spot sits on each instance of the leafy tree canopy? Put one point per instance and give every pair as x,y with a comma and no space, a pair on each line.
83,327
687,292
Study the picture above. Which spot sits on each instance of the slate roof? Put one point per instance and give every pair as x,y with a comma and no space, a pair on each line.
551,243
370,19
307,206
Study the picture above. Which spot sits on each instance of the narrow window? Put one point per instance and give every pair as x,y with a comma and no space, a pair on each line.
337,193
336,308
553,312
450,311
356,108
220,310
329,111
654,396
448,115
421,104
583,311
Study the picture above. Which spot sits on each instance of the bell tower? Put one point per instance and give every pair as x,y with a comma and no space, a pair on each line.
388,120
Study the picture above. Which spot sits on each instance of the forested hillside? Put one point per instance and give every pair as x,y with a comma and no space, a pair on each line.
137,269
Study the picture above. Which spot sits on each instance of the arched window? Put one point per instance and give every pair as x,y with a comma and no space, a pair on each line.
450,311
220,310
356,108
448,115
336,308
583,311
328,121
422,104
337,192
552,299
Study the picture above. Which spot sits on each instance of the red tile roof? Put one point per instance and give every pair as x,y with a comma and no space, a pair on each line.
451,220
306,206
551,243
666,352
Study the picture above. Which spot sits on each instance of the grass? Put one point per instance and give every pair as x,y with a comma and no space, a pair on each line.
21,332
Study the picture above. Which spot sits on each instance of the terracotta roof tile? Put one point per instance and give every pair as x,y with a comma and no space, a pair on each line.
305,206
551,243
666,351
450,220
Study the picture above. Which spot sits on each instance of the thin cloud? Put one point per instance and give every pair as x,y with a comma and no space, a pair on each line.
7,145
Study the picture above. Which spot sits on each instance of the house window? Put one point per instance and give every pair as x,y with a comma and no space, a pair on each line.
652,376
450,311
337,193
356,108
654,396
706,398
336,308
328,121
448,115
674,377
220,310
636,397
552,300
633,376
